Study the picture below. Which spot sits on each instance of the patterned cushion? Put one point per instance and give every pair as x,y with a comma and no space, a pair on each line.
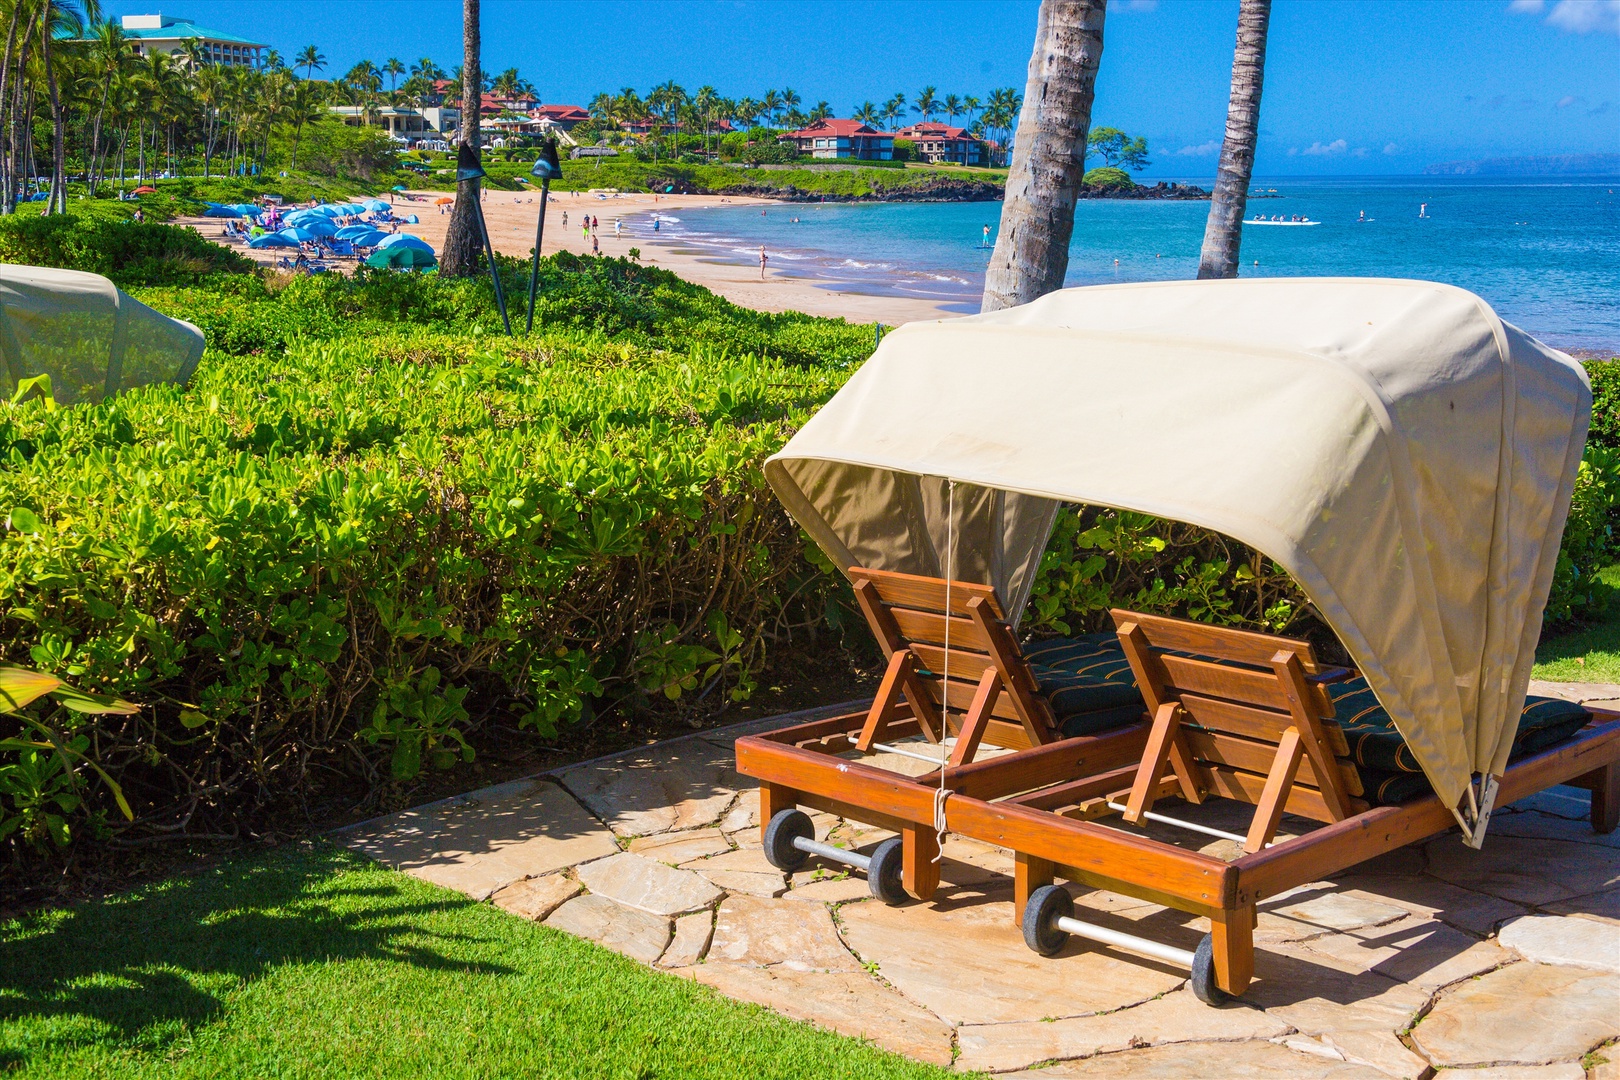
1388,769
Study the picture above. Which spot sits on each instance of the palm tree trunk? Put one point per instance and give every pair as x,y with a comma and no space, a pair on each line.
1049,154
7,203
1223,233
58,200
462,242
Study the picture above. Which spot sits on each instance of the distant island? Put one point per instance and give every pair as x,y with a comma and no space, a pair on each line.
1550,165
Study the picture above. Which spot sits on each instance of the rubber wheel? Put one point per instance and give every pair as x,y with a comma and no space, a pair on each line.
885,877
1046,906
1203,974
785,827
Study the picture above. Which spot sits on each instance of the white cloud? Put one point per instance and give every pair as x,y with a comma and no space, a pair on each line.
1566,101
1203,149
1332,149
1391,149
1360,151
1138,5
1575,16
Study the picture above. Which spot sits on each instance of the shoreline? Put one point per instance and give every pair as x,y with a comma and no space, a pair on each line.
511,216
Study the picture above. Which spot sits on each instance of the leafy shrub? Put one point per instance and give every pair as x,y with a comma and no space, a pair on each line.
129,253
329,147
1109,178
1605,377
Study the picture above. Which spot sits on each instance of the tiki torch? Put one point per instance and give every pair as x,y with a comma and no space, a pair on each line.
468,167
547,168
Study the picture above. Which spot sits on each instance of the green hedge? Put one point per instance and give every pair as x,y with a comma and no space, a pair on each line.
106,241
324,555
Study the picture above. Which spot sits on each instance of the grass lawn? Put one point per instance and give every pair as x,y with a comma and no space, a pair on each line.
1591,654
309,961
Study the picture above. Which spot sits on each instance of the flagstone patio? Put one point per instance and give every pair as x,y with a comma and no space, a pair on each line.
1432,961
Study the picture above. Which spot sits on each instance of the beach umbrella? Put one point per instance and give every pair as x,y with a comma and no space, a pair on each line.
297,234
272,240
411,219
246,209
318,228
371,239
400,187
401,257
349,232
217,211
377,206
146,189
406,240
446,201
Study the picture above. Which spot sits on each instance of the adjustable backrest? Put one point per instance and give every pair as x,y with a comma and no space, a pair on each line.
990,685
1245,718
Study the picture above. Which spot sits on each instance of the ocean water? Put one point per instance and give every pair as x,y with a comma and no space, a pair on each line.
1544,253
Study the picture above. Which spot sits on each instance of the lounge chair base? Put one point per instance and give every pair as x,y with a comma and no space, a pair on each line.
789,839
999,801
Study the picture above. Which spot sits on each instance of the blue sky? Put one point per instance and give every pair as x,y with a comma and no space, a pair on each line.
1352,86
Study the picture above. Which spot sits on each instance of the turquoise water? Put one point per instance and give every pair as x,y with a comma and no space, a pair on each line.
1545,254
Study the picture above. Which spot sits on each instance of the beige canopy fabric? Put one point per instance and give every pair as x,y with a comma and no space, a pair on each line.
1401,451
92,338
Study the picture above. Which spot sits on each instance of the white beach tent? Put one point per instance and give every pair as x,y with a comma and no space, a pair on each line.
92,338
1401,451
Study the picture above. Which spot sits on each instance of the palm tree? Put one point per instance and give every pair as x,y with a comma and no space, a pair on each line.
311,60
820,112
1037,216
747,112
866,113
304,107
892,109
971,106
393,67
952,106
108,56
706,101
1223,231
273,61
926,104
790,99
462,240
771,104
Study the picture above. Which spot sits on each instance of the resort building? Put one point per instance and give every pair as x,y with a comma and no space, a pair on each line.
566,117
938,142
841,139
399,120
168,34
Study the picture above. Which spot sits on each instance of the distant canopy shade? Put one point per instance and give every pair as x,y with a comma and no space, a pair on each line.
406,240
217,211
1402,452
400,257
272,240
91,338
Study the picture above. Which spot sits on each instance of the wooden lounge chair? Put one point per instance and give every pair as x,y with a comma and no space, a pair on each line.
1235,715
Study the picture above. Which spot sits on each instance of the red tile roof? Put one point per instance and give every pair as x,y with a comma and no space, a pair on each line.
831,126
933,129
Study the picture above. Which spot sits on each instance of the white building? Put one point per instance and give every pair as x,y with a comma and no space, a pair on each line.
168,34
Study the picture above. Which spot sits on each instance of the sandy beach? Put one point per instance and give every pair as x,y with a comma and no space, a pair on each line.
511,218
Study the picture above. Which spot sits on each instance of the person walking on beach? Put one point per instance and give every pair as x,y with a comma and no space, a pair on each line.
596,248
565,219
616,228
763,259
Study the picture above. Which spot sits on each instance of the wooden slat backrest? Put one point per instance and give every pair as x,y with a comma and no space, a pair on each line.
1247,723
917,615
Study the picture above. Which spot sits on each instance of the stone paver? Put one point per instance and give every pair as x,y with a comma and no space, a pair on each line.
1344,968
535,898
681,785
640,882
1568,1070
1419,952
636,934
969,964
761,933
1207,1060
678,847
851,1003
1525,870
1563,939
691,940
1526,1013
483,841
742,871
1176,1017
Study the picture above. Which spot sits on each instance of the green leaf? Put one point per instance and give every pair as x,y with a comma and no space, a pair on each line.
81,702
191,718
19,686
24,520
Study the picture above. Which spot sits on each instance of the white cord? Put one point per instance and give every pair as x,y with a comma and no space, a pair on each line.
945,683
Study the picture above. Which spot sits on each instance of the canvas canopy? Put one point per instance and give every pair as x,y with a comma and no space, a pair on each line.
92,338
1402,452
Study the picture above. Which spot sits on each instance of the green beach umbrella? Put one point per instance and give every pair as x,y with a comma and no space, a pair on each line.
401,257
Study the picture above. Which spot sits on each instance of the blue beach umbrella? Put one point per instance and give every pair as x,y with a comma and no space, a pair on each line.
377,206
247,209
297,234
349,232
318,228
371,238
406,239
272,240
217,211
410,219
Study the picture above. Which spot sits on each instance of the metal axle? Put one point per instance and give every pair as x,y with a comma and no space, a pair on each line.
1155,949
836,854
1164,820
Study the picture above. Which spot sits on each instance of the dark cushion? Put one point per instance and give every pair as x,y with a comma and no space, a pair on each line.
1388,769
